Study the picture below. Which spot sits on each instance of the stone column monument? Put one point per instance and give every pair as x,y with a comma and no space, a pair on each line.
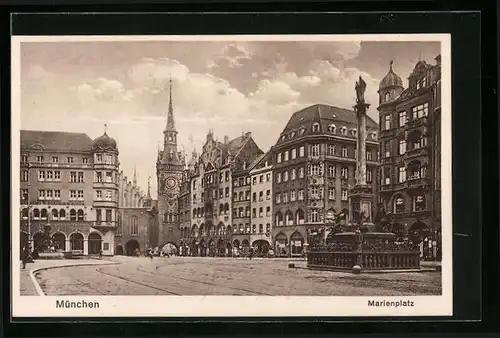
361,196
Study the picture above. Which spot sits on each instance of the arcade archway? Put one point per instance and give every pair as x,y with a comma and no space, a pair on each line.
170,249
261,247
76,241
119,250
132,248
59,241
95,242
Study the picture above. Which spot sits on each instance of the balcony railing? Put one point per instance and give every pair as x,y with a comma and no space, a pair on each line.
416,123
418,182
416,152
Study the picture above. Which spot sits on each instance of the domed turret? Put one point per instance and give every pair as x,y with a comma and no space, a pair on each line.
390,87
104,142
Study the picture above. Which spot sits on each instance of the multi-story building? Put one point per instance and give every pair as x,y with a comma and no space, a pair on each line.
169,173
137,218
69,190
410,154
211,189
261,204
314,167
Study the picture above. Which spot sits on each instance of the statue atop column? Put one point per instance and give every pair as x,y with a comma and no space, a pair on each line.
360,90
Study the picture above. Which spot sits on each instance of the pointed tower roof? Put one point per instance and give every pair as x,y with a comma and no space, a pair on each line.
135,175
149,187
170,116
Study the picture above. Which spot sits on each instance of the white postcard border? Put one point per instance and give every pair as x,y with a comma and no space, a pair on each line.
252,306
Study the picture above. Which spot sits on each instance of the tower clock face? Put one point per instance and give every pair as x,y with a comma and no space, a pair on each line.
171,182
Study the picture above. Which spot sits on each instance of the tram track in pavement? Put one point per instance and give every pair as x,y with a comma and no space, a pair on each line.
136,282
201,282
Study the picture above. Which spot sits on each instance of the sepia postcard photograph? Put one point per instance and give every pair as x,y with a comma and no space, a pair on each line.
257,176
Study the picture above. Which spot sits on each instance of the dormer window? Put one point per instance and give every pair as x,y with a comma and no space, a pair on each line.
283,137
315,127
292,134
421,83
343,130
332,128
373,134
301,131
354,132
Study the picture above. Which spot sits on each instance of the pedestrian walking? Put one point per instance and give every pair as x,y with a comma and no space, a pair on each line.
26,256
100,254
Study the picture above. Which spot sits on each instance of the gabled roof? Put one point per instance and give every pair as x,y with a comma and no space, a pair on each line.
56,140
260,160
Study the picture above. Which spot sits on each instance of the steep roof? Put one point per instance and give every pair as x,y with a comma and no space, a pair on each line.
325,115
56,140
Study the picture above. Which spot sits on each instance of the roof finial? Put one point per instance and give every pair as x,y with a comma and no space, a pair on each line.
390,65
135,175
105,128
149,187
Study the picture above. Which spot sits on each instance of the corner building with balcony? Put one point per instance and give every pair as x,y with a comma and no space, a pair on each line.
314,167
69,185
410,145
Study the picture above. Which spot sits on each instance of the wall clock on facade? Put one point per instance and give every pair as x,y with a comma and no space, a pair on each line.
171,182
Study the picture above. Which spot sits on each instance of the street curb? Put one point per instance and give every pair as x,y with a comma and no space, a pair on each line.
38,288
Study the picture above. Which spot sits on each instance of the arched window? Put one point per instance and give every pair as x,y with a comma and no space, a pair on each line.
44,214
289,218
55,214
80,215
279,218
373,134
419,202
292,134
354,132
226,209
302,131
387,97
72,215
315,127
24,213
399,204
414,170
134,226
332,128
283,137
241,212
343,130
62,214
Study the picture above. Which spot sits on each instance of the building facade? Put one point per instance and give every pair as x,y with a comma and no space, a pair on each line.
261,175
314,163
69,192
410,145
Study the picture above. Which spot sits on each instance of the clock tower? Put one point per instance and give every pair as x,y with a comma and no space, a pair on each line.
169,172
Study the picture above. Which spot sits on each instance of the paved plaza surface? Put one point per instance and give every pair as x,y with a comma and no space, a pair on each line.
226,276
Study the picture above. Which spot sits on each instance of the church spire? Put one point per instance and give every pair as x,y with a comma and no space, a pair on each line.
135,176
149,187
170,115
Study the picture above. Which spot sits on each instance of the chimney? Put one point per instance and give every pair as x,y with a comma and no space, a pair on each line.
226,139
438,59
248,134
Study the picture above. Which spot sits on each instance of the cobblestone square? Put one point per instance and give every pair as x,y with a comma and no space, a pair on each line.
226,276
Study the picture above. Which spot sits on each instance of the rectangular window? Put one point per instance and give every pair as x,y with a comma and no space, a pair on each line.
268,228
331,171
331,149
57,175
300,195
109,177
279,158
286,156
261,195
55,159
344,152
278,198
387,122
254,197
268,211
226,175
80,177
314,215
227,191
369,155
221,193
105,246
344,173
261,212
49,194
39,159
301,172
344,196
301,151
24,159
57,194
261,179
99,158
72,194
331,193
98,216
72,176
70,159
98,194
293,196
50,175
41,194
285,176
254,229
268,194
278,178
85,160
369,176
254,212
314,150
316,170
294,153
402,174
109,195
80,194
254,180
247,195
268,177
285,197
402,147
420,111
24,175
402,118
314,192
293,174
261,228
41,175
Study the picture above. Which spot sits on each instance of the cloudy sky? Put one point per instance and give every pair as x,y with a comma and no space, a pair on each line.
230,87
